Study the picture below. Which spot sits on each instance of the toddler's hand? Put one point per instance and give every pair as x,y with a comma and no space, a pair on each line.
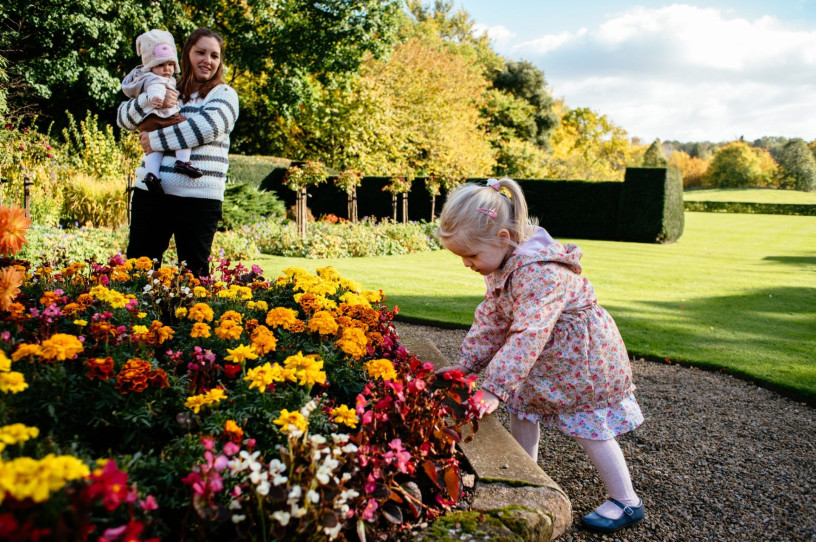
456,367
156,102
491,402
170,99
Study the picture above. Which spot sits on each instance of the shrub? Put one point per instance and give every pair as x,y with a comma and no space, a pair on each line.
90,201
59,246
651,206
254,170
342,239
245,204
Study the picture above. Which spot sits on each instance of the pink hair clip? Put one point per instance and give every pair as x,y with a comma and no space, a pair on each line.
489,212
494,184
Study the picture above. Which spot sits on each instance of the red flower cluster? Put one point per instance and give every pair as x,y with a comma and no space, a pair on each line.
101,368
137,374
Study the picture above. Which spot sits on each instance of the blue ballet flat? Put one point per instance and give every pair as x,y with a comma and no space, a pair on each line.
632,515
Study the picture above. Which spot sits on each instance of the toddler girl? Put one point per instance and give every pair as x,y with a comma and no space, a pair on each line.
154,76
549,351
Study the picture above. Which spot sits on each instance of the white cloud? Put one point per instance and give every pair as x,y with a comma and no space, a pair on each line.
497,33
685,72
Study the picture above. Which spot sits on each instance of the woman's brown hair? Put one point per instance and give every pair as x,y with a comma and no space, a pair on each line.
185,84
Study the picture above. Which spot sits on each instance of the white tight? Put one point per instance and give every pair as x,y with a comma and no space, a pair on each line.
605,455
154,159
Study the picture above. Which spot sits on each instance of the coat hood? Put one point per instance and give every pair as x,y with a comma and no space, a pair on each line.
541,247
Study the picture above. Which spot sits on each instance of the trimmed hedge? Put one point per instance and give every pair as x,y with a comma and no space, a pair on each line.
255,170
651,205
646,207
751,208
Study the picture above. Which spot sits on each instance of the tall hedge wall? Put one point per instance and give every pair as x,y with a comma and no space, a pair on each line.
646,207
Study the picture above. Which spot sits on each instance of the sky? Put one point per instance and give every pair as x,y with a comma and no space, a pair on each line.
695,71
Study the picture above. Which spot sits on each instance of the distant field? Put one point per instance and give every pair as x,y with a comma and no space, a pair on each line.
752,195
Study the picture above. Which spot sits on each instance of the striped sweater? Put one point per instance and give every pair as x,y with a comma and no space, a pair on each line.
206,131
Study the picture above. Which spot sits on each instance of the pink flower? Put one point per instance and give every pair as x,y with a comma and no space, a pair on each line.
230,448
149,504
370,508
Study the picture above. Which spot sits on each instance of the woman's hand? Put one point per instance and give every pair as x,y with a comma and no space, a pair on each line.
144,140
170,99
456,367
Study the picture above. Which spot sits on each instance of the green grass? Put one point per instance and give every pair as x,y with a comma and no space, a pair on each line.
736,292
751,195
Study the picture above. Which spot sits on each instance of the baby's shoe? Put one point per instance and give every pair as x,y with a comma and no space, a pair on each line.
153,184
632,515
188,169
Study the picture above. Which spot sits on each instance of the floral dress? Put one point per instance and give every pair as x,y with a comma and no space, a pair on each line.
549,351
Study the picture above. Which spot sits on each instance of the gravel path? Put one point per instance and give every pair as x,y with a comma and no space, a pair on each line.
717,458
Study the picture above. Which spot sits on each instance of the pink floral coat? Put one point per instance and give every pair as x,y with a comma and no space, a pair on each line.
547,346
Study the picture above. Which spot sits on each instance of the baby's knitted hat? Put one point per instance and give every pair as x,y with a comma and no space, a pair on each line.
156,47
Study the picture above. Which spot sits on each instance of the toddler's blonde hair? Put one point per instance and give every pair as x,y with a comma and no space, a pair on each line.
467,219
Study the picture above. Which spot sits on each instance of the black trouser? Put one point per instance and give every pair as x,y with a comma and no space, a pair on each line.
155,218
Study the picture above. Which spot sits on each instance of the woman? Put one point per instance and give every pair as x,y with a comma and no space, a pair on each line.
183,206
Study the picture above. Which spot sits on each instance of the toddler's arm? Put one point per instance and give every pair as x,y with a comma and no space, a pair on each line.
156,93
215,118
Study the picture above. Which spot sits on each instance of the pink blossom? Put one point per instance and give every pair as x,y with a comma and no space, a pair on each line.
230,448
149,504
370,508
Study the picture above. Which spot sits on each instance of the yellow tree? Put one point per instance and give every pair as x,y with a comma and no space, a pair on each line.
429,101
587,145
692,168
737,164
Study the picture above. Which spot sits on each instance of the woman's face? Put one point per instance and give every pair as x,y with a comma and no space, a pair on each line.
205,56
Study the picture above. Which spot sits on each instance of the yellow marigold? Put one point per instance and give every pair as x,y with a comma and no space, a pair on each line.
13,225
12,382
241,353
5,362
140,330
258,305
380,368
200,312
351,298
181,312
27,478
328,273
307,369
10,281
322,287
141,315
60,347
200,330
16,433
262,377
244,293
233,431
229,330
353,342
298,326
351,285
233,316
196,402
142,264
25,350
263,340
281,316
323,323
344,415
200,291
290,421
227,294
81,323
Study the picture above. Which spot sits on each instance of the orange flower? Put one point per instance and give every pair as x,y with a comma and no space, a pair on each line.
10,281
13,225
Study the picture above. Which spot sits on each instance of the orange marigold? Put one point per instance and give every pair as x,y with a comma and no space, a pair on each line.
13,225
133,376
101,368
11,279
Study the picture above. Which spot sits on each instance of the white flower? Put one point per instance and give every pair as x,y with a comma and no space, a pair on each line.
313,496
238,518
346,476
278,480
333,531
317,440
282,517
349,448
263,488
276,465
294,494
235,504
340,438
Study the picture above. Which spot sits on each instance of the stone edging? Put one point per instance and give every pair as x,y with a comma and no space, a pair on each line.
510,490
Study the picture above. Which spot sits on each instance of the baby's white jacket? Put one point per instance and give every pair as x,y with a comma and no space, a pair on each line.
137,82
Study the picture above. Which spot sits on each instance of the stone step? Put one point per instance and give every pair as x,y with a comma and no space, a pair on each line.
505,475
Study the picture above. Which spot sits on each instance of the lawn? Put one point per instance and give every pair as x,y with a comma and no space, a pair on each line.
736,292
751,195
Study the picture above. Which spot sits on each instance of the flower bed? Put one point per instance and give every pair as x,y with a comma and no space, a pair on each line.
141,403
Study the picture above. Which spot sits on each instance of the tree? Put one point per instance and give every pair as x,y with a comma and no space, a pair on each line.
797,166
737,164
654,156
526,82
429,100
691,168
587,145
